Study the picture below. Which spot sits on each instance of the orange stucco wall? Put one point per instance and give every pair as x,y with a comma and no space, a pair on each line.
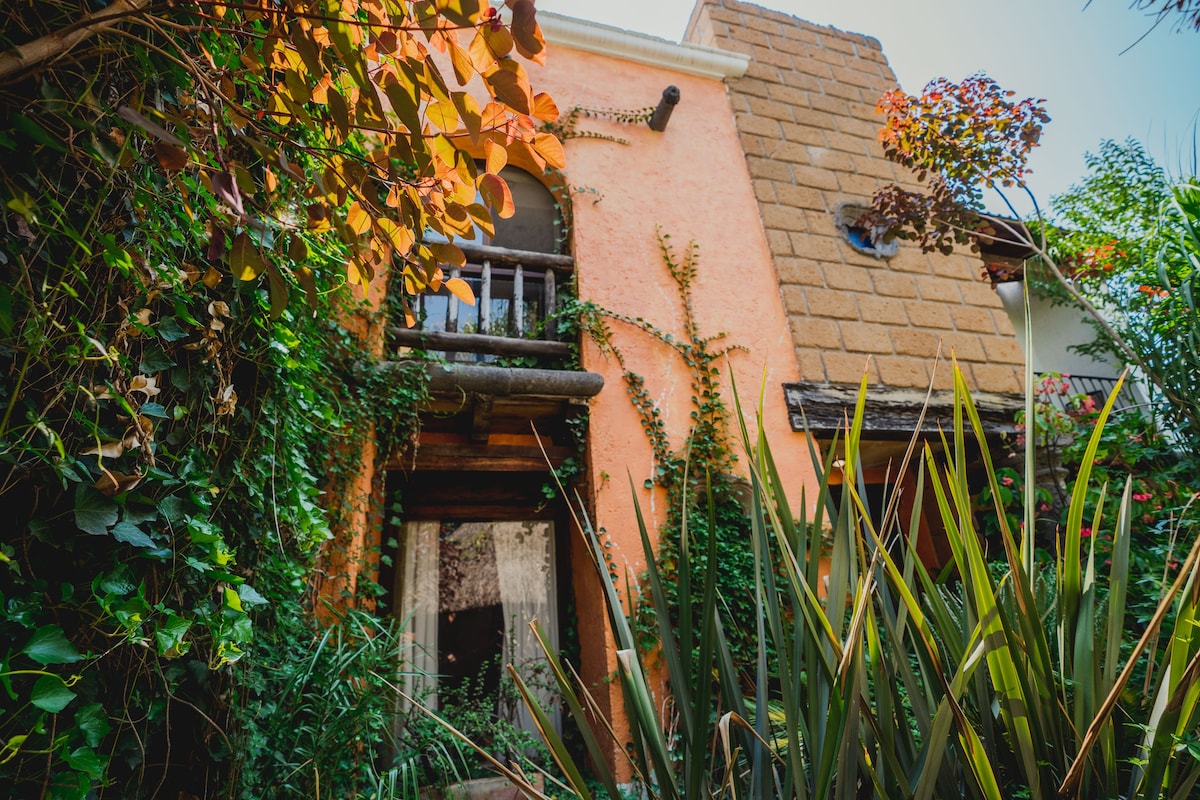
690,182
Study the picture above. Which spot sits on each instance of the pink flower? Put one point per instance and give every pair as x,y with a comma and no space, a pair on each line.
1085,532
1141,497
1007,481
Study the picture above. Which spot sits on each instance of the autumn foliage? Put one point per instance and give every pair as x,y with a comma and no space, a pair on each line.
959,139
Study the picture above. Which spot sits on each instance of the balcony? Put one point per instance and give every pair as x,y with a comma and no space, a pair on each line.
514,315
486,415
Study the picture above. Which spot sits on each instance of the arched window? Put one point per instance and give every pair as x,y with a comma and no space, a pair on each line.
515,289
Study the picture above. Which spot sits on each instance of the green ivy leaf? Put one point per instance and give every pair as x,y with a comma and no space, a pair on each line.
155,359
93,722
50,646
251,597
173,509
94,513
118,582
131,534
154,410
169,637
87,761
169,330
51,694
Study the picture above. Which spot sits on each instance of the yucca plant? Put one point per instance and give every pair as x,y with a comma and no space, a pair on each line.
1006,678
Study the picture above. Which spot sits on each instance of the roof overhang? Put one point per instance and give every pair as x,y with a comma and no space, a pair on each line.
892,413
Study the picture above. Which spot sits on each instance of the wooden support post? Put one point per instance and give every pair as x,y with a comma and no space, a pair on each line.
452,307
549,305
517,306
485,298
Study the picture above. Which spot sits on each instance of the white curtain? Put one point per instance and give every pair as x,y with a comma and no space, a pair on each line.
417,588
525,586
525,566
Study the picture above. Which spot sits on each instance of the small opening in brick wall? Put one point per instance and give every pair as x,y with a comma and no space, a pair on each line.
860,237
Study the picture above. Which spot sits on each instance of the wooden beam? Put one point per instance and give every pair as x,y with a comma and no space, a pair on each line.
507,381
504,255
478,343
892,413
481,458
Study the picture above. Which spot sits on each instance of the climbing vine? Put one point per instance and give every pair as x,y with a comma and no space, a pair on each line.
695,468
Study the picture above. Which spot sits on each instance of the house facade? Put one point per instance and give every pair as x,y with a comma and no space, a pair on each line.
766,155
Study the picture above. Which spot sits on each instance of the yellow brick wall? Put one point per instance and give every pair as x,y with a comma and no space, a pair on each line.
805,113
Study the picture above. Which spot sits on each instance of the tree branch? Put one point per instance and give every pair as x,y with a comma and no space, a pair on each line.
58,43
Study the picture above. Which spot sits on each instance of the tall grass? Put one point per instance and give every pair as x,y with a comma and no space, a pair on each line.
1004,676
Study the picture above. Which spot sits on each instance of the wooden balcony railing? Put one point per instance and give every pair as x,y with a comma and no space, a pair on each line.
516,299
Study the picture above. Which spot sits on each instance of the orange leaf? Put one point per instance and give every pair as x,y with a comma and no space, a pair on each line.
444,115
544,107
460,59
499,40
550,149
462,290
448,253
495,156
468,112
398,236
278,291
510,85
497,195
358,219
526,32
481,52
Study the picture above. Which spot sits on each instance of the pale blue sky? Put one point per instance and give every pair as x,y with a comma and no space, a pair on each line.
1052,49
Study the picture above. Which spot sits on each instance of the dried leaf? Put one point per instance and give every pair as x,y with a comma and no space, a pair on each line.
154,129
170,157
224,186
115,482
105,450
216,242
146,385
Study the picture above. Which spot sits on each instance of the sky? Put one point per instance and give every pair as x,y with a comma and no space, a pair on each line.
1098,80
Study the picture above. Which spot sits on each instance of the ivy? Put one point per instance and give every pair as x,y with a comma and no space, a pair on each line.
698,467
